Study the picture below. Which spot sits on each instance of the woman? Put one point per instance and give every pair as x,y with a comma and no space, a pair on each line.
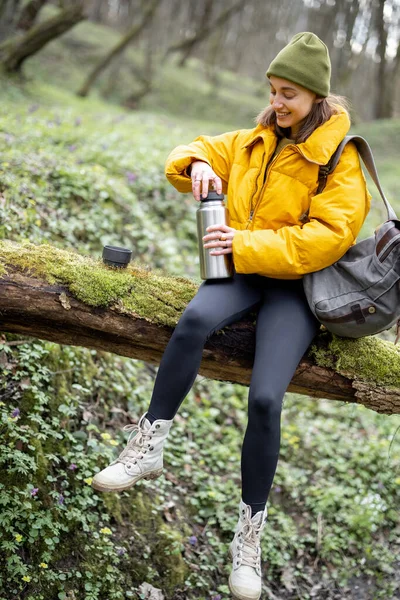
279,230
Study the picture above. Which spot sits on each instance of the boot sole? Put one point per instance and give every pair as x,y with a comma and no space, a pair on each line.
236,594
240,596
100,487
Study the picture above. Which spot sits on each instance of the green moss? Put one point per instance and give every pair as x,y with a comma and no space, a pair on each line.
27,405
151,295
41,461
170,559
166,554
370,359
112,502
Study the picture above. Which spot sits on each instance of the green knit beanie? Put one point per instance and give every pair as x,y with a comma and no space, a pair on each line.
305,60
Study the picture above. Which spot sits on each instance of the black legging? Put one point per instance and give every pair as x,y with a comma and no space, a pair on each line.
284,330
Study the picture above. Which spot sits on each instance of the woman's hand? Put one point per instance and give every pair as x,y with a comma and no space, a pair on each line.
200,175
219,237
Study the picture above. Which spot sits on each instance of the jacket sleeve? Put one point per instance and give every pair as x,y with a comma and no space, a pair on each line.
217,151
335,219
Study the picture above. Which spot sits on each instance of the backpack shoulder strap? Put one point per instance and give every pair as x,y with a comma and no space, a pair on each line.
365,152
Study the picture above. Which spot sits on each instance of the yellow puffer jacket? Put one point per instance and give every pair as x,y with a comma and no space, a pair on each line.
273,241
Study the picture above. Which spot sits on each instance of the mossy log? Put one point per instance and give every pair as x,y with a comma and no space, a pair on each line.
67,298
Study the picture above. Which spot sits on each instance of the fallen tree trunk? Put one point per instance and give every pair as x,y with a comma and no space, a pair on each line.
60,296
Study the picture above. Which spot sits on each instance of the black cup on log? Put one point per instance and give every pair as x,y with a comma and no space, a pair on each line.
113,256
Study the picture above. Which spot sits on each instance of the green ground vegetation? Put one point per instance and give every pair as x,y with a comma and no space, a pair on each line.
77,174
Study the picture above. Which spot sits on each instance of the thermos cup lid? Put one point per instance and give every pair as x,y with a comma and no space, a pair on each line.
212,195
116,257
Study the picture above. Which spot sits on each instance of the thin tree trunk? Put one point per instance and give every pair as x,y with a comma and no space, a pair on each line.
96,10
203,25
15,51
382,85
119,48
145,77
393,77
29,14
8,14
341,73
396,77
204,32
212,71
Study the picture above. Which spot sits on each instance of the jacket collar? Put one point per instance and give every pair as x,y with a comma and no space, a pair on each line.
321,144
267,134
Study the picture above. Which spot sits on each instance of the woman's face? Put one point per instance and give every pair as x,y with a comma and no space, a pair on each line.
291,103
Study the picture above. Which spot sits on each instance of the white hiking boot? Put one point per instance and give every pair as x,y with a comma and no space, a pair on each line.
141,459
245,550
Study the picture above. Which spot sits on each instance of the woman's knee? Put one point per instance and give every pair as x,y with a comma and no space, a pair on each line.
265,405
194,322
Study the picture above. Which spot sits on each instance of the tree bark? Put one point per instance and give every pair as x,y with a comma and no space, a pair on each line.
32,307
16,50
119,48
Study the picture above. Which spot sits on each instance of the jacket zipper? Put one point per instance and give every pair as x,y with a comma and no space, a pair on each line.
266,174
251,210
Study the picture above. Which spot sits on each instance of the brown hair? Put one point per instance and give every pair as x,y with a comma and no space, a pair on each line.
319,114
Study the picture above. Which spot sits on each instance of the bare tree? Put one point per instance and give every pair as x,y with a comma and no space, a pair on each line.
381,103
29,14
204,23
342,53
245,36
205,29
362,37
145,78
17,49
132,34
396,80
9,10
97,9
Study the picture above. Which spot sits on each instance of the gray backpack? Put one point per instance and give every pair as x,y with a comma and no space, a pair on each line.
359,295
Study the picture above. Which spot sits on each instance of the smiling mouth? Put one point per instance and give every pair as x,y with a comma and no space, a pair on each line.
282,114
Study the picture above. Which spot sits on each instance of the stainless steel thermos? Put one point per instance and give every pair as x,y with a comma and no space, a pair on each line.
212,211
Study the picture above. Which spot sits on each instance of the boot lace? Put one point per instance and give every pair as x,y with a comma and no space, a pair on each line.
249,541
138,442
